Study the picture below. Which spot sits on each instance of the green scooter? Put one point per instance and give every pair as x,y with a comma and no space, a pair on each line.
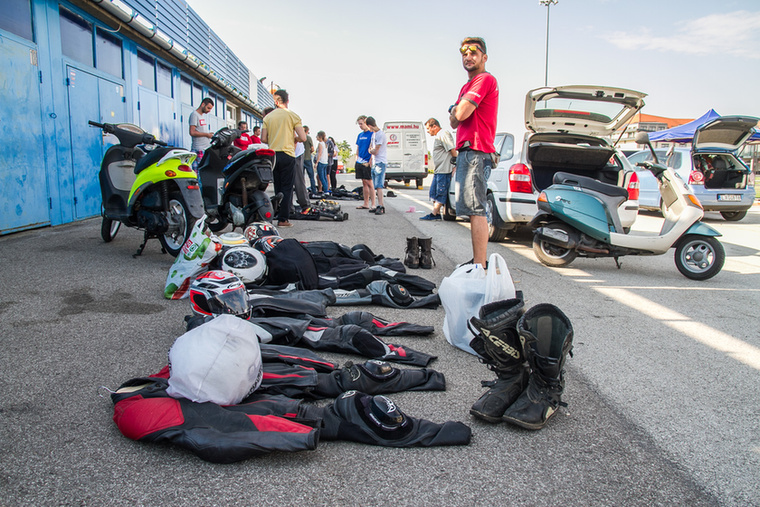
577,217
156,191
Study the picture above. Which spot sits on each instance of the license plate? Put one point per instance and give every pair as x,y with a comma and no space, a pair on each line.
729,197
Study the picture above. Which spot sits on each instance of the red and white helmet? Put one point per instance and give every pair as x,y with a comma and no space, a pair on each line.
219,292
259,230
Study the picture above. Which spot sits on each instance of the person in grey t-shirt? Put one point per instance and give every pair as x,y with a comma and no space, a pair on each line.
199,128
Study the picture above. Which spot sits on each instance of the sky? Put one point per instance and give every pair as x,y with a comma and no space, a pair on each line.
399,60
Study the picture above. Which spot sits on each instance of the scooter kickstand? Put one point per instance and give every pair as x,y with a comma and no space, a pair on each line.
142,247
617,261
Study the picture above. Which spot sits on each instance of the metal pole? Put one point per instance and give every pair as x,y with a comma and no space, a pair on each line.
546,66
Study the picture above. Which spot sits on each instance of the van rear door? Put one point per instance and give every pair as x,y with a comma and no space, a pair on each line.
407,151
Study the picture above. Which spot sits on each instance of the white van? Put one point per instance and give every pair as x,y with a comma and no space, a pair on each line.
407,151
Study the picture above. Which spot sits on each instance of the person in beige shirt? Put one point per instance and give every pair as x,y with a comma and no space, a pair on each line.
281,130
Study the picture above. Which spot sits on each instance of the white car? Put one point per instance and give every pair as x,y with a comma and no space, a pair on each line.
566,126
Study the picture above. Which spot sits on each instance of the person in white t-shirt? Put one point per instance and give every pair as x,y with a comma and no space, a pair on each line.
378,149
322,161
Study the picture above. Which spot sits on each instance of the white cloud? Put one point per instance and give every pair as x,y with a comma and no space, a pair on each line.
735,33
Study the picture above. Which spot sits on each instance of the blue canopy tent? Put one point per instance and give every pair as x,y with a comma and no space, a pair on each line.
685,133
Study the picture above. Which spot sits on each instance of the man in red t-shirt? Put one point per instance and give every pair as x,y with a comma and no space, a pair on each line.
256,135
474,116
244,141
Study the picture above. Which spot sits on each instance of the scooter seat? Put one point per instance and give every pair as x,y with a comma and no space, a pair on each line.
561,178
151,158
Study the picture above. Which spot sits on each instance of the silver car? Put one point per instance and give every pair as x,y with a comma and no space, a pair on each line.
715,174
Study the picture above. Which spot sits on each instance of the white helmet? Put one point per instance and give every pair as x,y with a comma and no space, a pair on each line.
245,262
232,239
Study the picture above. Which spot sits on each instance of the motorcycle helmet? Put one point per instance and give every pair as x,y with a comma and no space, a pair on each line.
233,239
259,230
267,243
245,262
217,293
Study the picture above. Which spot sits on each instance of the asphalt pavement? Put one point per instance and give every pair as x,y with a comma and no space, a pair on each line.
661,390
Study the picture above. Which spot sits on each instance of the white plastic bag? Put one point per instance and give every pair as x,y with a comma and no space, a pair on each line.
467,289
219,361
199,250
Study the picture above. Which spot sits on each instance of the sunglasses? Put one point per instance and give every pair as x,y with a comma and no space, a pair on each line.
471,48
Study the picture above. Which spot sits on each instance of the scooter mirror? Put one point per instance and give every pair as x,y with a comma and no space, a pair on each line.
641,138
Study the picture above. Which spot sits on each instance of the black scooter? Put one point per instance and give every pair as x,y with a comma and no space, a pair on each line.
233,182
155,191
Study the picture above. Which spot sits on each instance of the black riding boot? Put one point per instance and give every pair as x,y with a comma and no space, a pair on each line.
498,344
547,337
412,259
426,253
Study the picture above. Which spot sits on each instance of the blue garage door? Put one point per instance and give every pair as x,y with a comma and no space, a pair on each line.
98,99
24,197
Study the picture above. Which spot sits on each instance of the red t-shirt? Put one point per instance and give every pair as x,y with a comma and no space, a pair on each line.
244,141
480,127
256,139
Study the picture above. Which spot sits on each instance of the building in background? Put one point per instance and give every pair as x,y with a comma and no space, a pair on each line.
147,62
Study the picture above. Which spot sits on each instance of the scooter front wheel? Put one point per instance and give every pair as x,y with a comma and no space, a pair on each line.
180,225
553,255
699,257
108,229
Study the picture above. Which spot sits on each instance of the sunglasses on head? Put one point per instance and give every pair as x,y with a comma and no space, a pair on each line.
471,48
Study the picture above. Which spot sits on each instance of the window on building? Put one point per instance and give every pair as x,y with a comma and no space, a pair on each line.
108,53
216,109
197,95
164,80
186,91
76,38
146,71
16,17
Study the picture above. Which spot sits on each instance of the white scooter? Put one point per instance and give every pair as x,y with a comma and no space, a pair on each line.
578,217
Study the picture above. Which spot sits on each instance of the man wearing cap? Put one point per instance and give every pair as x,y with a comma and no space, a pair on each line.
474,116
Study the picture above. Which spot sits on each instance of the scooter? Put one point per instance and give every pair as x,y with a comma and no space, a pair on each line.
233,182
578,217
155,191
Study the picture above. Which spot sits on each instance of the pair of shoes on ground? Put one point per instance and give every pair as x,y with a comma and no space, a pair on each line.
284,224
378,210
430,216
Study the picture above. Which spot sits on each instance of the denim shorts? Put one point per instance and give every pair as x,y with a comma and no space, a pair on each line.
473,170
439,188
378,175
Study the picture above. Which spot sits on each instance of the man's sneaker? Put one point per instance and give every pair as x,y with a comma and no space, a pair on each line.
430,216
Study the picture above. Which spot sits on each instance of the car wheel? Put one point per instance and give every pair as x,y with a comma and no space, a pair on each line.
108,229
699,257
496,227
733,216
180,225
553,255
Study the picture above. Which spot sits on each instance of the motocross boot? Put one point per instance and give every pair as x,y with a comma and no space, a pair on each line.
412,259
498,344
426,253
547,337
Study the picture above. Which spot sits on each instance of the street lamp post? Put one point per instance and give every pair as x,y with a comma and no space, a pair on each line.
548,4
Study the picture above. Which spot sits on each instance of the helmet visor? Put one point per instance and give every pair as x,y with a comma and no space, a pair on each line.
234,302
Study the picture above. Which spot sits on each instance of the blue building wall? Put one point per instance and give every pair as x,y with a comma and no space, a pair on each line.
51,157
